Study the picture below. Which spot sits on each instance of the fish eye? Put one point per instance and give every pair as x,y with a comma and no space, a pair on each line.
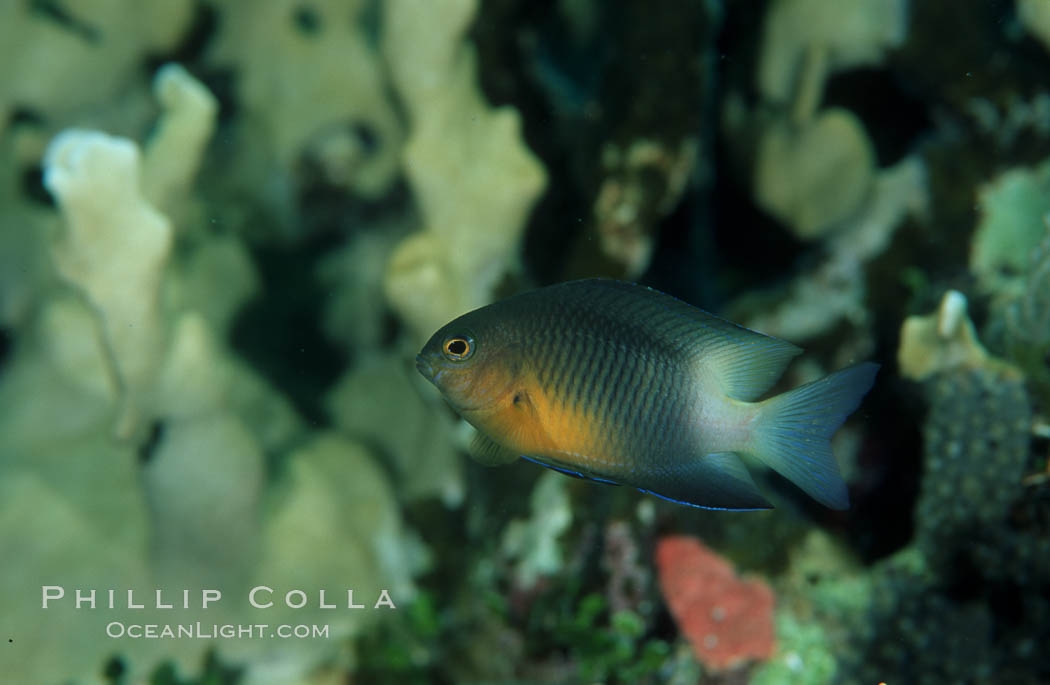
458,348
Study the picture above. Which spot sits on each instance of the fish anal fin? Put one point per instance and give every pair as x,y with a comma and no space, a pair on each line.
713,481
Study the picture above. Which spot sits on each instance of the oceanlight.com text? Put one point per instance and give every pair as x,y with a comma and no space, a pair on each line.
207,631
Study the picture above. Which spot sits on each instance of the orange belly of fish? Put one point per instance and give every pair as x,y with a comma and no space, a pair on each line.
540,427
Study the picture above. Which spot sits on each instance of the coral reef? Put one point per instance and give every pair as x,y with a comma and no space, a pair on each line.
1027,324
848,34
906,607
802,655
834,291
727,620
628,574
814,173
470,236
1014,211
115,250
92,52
940,341
628,207
814,169
533,543
176,149
378,393
975,452
226,226
176,500
338,116
978,539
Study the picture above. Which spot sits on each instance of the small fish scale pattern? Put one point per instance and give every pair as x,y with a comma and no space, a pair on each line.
641,400
635,314
547,345
587,352
620,376
555,335
623,401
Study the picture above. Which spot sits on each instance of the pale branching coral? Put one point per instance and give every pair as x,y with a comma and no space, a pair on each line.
203,486
115,249
1014,208
312,82
835,290
117,244
192,382
533,543
815,174
355,312
174,153
383,391
91,50
472,175
853,33
222,259
56,544
179,501
1027,323
74,343
1035,17
940,341
814,170
338,510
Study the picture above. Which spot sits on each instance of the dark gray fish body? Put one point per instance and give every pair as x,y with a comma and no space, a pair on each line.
621,383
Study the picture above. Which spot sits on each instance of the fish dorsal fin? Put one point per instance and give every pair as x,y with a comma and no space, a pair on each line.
488,452
743,362
746,363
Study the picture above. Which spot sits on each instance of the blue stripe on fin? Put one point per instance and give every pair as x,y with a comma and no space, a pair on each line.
699,506
567,472
713,481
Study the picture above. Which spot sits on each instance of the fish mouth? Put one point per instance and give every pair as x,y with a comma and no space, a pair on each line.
424,367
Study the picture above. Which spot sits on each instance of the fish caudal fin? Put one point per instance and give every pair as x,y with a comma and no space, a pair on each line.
793,433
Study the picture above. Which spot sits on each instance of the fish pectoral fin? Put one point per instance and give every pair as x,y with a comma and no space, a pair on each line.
713,481
488,452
